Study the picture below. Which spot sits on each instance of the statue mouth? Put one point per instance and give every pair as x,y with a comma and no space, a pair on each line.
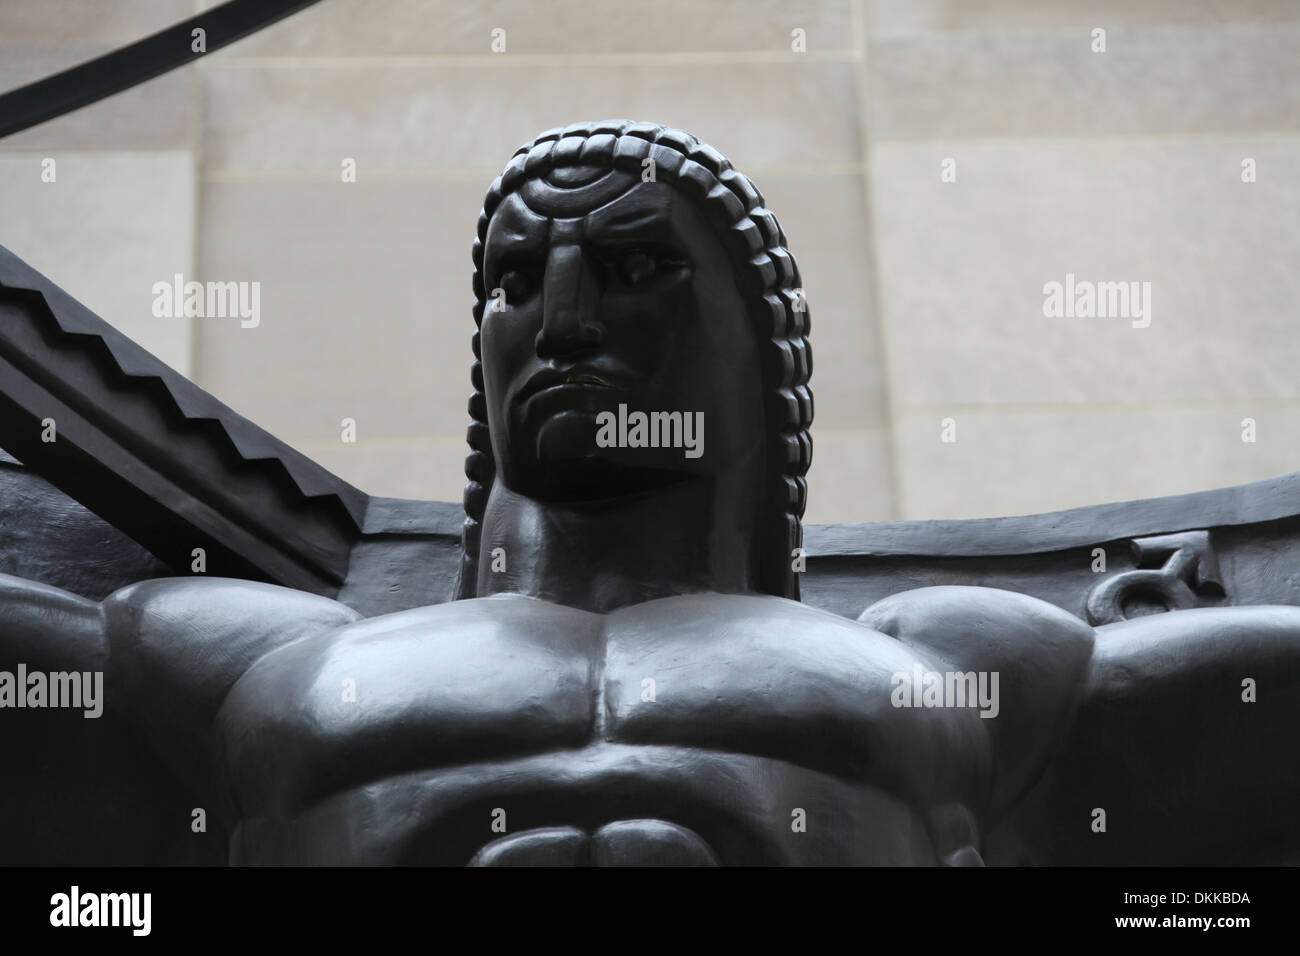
550,379
585,379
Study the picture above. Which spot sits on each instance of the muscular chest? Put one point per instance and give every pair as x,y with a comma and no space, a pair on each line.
494,679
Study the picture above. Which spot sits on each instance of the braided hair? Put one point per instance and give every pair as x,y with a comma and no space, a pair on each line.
767,277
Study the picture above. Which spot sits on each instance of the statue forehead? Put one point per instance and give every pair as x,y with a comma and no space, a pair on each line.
572,191
621,203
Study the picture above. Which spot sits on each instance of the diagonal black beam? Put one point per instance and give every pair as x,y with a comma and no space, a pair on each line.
113,72
153,454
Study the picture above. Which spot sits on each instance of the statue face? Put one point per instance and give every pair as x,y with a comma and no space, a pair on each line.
613,293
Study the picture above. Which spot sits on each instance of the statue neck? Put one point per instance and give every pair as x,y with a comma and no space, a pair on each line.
693,536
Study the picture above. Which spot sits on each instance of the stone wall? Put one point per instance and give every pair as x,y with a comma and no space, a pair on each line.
926,295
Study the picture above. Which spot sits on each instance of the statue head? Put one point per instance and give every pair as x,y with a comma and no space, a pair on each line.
626,268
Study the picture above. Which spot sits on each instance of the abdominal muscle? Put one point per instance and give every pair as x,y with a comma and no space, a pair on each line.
743,809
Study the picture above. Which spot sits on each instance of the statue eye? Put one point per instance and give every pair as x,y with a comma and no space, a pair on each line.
516,285
637,267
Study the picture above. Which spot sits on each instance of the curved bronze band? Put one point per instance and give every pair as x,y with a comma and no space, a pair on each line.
547,199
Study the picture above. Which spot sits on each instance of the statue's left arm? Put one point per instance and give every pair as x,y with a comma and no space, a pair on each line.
1182,751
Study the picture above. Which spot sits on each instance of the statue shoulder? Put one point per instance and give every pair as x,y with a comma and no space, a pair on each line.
158,657
1035,654
177,646
190,639
45,625
184,641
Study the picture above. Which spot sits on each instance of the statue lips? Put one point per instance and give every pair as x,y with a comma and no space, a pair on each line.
576,381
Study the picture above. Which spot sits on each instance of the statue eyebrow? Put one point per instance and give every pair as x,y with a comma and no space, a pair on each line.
634,223
510,232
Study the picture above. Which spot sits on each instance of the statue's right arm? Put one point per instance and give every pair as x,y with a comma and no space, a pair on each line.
124,786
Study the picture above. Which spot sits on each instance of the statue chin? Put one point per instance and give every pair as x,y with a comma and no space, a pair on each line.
568,466
568,436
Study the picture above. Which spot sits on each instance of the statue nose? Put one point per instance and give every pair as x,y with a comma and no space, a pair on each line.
569,300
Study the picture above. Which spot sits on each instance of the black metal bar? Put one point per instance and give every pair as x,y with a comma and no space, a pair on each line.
113,72
154,455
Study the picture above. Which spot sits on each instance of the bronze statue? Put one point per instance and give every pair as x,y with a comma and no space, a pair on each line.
629,676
